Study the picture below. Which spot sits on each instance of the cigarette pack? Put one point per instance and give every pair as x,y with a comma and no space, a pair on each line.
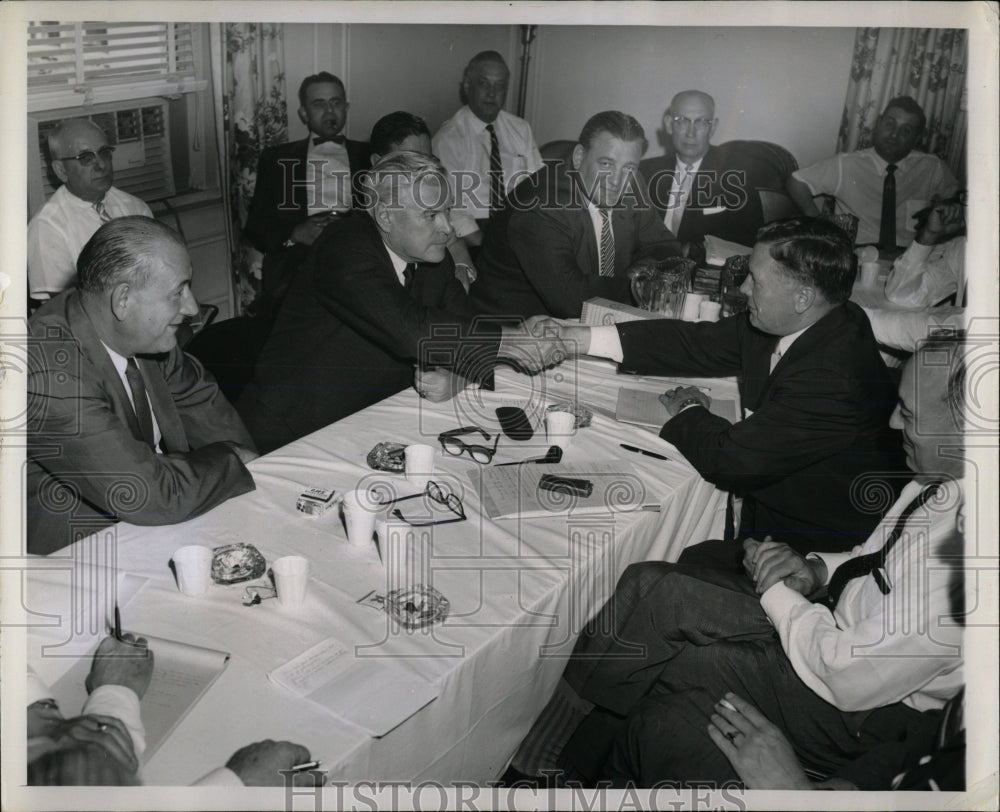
315,501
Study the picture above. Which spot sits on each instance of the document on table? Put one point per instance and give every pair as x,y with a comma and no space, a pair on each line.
644,408
718,250
181,675
512,491
373,693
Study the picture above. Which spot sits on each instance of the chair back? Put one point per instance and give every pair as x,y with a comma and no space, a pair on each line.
229,350
768,168
557,150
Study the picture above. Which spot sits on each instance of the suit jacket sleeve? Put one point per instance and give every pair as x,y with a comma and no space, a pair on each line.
272,219
546,245
76,432
654,240
355,281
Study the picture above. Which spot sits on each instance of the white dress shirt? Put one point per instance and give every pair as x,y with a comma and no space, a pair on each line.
60,229
329,177
463,145
121,363
926,274
680,191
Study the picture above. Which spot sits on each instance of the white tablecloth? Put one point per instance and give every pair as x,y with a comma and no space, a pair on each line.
519,590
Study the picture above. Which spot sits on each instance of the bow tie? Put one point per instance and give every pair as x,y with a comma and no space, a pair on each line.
337,139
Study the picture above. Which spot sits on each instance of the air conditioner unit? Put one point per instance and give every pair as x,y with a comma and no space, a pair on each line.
139,130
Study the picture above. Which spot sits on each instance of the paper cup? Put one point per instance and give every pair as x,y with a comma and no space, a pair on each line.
291,577
709,311
692,302
559,428
360,511
869,274
193,565
419,464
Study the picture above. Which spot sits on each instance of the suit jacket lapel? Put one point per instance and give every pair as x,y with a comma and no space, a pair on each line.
171,429
297,190
591,259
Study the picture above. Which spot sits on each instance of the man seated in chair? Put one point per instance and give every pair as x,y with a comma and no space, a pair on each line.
696,187
883,185
122,423
82,159
569,233
640,699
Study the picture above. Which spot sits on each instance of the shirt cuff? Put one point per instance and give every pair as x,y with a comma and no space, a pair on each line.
779,600
605,342
832,561
220,777
123,704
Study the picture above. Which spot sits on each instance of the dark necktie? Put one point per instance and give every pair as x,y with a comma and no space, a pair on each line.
408,274
607,244
337,139
862,565
887,225
102,211
496,172
140,403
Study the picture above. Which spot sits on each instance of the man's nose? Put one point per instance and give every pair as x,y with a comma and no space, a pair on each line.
189,305
443,223
896,419
746,288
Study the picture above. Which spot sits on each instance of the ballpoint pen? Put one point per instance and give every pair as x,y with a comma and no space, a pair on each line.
638,450
305,765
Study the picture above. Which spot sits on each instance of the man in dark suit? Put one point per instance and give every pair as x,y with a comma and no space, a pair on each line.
698,188
122,423
815,393
377,297
303,184
565,236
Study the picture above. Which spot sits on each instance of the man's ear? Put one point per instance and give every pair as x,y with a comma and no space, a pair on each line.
668,123
120,299
382,217
60,170
577,156
805,297
711,131
303,117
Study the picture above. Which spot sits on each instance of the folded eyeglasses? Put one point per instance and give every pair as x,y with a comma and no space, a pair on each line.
451,444
437,493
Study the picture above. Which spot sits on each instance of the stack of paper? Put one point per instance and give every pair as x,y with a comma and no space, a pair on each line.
643,408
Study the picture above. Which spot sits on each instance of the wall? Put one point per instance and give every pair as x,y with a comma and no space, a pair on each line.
778,84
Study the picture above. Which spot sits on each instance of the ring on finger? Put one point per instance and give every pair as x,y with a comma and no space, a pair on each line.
103,726
731,736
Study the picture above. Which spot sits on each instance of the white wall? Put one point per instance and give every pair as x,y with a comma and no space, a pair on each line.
777,84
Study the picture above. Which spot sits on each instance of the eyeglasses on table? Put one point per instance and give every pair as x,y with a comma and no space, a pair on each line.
436,493
453,445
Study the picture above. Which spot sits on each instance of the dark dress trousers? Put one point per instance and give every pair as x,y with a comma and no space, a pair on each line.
88,465
540,252
721,202
817,447
348,335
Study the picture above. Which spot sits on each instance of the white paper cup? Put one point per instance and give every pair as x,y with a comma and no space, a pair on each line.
291,578
360,510
709,311
868,254
193,565
559,428
692,301
419,463
869,274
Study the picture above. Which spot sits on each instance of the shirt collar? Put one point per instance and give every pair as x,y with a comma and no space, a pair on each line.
881,163
398,263
682,165
120,361
786,341
477,124
79,201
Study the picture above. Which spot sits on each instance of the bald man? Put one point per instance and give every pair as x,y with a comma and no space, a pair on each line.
82,160
698,188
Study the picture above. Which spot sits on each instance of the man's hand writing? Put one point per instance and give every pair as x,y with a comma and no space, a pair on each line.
260,764
768,562
674,400
127,663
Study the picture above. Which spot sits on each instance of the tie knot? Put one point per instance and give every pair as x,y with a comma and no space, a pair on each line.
890,169
489,129
336,139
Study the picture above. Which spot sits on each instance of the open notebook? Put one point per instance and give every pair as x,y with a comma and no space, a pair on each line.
643,408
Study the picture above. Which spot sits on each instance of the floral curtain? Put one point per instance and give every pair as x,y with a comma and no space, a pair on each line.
927,64
250,63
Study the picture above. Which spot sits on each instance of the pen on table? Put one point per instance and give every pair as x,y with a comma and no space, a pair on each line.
305,765
638,450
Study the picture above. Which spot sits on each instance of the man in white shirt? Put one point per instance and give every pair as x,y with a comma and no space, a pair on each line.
839,678
859,180
485,149
82,160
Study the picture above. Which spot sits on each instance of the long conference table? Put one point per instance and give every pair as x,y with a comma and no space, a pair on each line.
519,589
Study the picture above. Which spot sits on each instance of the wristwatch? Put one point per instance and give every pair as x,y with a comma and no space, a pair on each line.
688,402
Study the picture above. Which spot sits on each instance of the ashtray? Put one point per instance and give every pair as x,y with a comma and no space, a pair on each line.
235,563
388,457
417,607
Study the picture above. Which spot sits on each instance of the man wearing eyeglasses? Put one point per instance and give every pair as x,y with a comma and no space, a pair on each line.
82,160
698,188
302,185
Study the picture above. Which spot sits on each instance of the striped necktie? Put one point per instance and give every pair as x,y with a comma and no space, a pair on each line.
873,563
497,196
140,402
102,211
887,224
607,244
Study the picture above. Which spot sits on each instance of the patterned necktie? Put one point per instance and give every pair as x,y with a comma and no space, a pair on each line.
140,403
336,139
102,211
607,244
775,356
862,565
682,186
497,196
408,274
887,225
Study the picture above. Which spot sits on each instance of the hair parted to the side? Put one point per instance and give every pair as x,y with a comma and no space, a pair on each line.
481,57
319,78
393,129
908,105
615,123
814,251
381,183
120,251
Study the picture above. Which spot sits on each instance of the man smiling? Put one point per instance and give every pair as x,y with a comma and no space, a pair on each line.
122,423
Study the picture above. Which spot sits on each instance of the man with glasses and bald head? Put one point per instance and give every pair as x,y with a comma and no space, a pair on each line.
698,188
82,160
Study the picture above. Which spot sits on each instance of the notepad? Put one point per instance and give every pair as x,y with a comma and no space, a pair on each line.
373,693
182,673
643,408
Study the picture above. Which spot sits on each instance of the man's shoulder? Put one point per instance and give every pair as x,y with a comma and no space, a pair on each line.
515,122
349,235
53,209
452,126
124,197
290,149
661,163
